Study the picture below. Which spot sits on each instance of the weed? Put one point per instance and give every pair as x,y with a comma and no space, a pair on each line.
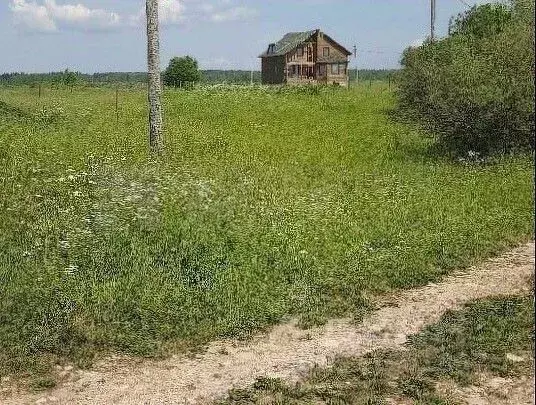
42,383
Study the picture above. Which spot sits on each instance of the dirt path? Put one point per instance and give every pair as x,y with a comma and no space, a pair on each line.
492,390
286,351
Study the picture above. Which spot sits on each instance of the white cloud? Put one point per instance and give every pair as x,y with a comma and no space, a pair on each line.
181,11
82,16
171,11
32,16
49,16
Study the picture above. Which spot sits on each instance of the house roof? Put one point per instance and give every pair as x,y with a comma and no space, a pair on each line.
291,40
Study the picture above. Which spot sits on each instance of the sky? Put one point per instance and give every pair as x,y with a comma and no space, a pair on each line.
109,35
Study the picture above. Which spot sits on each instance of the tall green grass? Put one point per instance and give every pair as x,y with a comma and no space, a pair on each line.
267,203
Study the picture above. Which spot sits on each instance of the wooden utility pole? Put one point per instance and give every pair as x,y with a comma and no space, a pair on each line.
432,19
156,141
116,105
356,67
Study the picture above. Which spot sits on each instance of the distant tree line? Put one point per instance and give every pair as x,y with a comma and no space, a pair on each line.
133,78
67,77
230,76
373,74
206,76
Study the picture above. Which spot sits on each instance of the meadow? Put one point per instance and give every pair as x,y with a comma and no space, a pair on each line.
267,204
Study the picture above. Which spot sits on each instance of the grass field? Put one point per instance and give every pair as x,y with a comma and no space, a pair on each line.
266,204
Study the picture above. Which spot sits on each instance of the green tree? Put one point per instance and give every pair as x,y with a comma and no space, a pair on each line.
69,78
183,69
482,21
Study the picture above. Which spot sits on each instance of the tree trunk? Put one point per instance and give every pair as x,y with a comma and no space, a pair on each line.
156,141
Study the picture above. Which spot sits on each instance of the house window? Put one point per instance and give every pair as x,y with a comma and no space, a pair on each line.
335,69
322,70
300,52
325,51
342,68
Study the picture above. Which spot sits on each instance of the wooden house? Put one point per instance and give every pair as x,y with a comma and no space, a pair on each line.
305,57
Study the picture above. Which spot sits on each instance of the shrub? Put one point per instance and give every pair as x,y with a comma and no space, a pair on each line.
475,88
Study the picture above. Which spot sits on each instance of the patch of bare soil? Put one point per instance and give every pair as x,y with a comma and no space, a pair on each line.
492,390
287,351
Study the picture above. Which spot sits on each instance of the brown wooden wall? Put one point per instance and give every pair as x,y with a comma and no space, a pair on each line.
334,51
333,78
273,70
307,57
335,55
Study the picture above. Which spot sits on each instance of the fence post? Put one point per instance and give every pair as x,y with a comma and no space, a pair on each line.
116,105
39,90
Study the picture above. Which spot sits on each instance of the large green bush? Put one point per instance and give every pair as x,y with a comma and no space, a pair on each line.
475,88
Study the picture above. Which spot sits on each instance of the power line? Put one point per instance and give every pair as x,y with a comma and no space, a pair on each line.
382,52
